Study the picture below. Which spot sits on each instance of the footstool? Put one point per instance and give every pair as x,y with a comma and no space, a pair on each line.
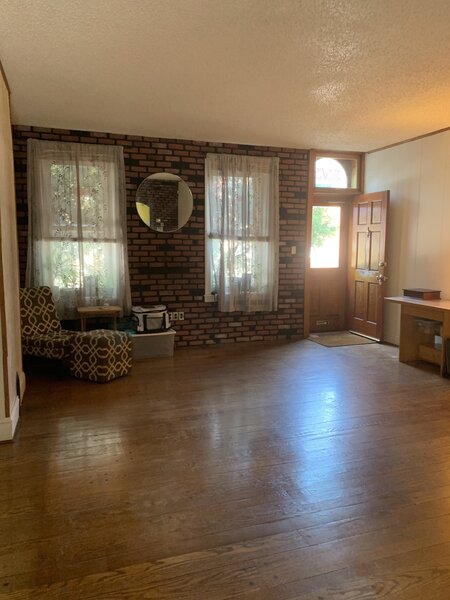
100,355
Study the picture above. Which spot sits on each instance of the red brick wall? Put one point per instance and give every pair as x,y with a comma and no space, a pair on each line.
162,197
169,268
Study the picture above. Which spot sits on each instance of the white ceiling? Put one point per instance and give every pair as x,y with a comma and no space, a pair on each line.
338,74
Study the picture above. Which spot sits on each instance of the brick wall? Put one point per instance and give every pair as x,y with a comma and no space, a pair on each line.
162,197
169,268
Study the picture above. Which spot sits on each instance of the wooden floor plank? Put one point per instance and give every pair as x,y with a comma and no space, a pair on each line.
281,471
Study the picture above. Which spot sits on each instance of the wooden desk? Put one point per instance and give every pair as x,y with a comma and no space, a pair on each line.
87,312
416,344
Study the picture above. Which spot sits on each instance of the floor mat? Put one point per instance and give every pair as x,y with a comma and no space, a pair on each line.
332,339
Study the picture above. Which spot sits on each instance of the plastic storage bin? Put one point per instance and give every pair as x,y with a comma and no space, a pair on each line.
151,345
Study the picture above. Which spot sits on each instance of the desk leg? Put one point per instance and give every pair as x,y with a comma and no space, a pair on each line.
408,338
83,323
445,334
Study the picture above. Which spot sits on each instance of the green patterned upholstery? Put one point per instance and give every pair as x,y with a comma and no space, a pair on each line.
100,355
42,334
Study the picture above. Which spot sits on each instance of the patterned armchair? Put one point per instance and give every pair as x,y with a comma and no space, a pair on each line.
42,334
99,355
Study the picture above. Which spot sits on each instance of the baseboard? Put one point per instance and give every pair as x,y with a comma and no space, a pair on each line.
8,424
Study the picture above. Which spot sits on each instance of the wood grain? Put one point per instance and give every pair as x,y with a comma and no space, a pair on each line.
281,471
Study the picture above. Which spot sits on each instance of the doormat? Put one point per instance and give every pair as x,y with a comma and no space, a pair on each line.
332,339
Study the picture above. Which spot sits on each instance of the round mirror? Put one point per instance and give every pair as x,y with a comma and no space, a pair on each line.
164,202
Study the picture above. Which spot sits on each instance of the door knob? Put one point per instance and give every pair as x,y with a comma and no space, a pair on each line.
381,278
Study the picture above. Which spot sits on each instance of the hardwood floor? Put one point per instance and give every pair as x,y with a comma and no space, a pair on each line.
286,471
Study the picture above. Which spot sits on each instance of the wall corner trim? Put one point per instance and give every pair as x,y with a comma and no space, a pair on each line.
8,424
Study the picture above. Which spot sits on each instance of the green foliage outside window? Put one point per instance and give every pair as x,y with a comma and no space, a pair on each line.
79,204
322,226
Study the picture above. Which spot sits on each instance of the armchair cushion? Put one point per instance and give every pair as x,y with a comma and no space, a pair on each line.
100,355
49,345
42,334
38,312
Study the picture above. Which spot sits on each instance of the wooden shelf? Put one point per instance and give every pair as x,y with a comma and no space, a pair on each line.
89,312
430,354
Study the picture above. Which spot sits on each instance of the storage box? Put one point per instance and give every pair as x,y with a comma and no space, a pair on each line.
422,293
150,345
155,322
428,326
151,319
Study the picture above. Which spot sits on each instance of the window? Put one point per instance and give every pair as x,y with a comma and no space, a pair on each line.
330,173
242,232
77,224
333,171
325,234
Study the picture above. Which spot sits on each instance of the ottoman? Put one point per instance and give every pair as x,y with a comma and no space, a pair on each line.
100,355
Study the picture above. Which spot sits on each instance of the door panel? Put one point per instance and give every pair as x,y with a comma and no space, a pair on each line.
377,209
361,250
327,300
362,214
372,302
359,299
374,249
367,265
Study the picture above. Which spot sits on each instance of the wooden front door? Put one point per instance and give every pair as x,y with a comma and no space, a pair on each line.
367,266
328,266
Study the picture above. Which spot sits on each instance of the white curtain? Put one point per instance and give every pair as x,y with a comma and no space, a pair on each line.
242,231
77,224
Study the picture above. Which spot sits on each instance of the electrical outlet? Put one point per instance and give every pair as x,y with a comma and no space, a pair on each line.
171,316
175,316
181,316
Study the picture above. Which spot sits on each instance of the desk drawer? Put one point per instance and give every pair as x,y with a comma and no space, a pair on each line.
423,312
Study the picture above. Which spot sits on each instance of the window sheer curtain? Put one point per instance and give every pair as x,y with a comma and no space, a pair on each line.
242,231
77,224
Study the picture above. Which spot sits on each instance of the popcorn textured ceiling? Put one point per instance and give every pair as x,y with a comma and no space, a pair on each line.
348,75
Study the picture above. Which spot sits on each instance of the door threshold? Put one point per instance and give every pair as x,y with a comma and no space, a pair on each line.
369,337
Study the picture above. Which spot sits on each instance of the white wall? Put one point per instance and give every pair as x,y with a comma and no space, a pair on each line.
10,347
418,175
